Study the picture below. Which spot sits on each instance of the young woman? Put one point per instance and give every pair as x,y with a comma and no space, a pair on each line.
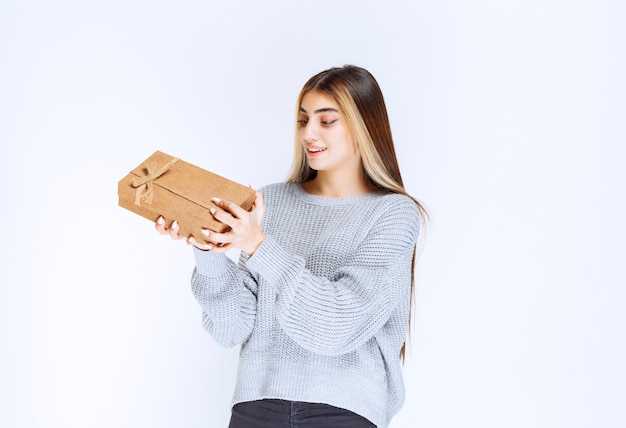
320,299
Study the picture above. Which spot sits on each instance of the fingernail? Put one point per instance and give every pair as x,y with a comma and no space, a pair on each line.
216,200
206,232
174,224
160,220
212,210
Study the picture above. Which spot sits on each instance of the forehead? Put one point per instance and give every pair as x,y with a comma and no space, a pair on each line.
313,101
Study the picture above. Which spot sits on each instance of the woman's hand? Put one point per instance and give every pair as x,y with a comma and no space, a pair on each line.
172,231
245,233
245,227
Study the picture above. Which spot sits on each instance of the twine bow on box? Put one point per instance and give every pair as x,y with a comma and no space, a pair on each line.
145,184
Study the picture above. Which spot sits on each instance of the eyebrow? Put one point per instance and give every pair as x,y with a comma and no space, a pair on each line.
321,110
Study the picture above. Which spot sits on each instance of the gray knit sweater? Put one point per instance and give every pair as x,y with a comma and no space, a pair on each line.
321,309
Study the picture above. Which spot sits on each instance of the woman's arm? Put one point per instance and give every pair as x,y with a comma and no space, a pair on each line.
226,291
227,295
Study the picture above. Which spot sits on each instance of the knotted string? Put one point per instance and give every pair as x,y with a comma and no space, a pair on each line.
145,184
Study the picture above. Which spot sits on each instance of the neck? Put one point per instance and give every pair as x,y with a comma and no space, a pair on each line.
336,186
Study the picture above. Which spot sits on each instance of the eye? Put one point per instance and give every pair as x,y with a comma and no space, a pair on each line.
303,122
329,122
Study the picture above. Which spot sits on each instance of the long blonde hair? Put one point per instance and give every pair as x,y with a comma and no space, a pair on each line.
361,102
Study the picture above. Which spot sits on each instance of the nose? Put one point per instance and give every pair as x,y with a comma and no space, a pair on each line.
310,135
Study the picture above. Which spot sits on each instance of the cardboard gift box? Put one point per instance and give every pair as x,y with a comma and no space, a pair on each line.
170,187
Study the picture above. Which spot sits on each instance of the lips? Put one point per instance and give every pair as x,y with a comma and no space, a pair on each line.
312,151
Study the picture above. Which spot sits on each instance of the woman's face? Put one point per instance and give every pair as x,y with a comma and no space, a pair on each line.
323,133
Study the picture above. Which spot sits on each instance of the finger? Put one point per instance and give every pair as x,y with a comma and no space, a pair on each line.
159,225
205,247
174,231
223,216
216,238
229,206
218,249
259,204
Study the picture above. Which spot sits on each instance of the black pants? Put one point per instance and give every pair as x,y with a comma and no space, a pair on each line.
293,414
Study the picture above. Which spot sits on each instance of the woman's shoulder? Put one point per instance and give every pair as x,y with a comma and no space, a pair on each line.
395,208
398,201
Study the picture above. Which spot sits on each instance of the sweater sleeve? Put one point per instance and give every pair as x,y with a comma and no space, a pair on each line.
335,314
227,294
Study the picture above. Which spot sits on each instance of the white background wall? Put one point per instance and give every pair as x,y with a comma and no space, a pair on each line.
509,124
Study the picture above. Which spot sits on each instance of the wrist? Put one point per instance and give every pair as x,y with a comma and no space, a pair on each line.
256,244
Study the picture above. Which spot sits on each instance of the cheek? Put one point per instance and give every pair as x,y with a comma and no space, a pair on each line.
349,142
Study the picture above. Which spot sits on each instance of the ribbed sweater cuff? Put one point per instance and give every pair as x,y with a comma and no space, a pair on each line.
209,264
272,262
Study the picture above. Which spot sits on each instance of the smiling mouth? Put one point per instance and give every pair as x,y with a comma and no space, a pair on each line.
315,150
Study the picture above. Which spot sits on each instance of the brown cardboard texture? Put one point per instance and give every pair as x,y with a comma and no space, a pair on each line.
170,187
